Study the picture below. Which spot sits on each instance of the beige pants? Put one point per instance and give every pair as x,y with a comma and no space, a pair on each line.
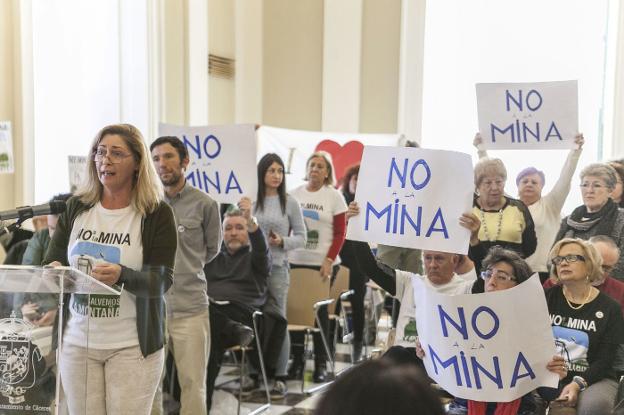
117,381
189,341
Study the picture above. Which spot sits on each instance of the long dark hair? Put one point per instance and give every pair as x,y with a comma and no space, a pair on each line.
380,387
263,165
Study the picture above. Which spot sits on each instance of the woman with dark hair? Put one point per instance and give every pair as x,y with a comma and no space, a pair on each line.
357,277
380,387
599,214
119,230
280,218
324,211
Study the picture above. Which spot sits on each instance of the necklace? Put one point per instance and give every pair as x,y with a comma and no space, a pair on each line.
582,304
485,228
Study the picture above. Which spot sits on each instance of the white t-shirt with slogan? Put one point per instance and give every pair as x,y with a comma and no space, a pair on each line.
319,209
103,235
406,332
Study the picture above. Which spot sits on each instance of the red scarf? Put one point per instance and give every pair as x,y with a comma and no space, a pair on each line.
502,408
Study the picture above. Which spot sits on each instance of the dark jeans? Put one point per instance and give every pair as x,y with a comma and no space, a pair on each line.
357,283
222,335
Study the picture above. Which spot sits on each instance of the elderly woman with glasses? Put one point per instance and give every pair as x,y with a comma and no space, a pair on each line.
599,214
503,269
587,326
545,210
505,221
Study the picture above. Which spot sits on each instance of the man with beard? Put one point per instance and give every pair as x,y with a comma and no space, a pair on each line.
237,285
199,236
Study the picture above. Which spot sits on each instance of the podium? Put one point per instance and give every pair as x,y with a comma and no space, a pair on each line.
31,299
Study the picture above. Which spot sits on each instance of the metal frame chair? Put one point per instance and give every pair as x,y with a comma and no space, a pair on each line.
307,291
243,365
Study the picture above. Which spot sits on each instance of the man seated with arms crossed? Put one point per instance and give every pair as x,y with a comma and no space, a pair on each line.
237,286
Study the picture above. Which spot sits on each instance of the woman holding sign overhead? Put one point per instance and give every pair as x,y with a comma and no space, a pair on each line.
504,221
545,210
324,211
587,326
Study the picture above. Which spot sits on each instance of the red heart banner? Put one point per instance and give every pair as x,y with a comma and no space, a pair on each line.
343,156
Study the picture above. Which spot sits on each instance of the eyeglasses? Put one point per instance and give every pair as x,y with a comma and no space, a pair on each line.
568,258
488,184
501,276
596,186
114,156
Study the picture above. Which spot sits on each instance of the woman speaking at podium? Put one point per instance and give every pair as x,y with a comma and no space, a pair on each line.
118,230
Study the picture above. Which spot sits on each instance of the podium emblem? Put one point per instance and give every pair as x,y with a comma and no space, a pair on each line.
17,371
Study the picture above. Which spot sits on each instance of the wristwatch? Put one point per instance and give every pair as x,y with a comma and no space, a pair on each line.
582,383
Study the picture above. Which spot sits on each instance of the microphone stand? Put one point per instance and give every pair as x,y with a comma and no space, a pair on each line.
14,226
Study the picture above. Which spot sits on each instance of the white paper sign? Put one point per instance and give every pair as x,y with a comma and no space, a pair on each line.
491,347
222,159
6,148
542,115
295,146
413,198
77,171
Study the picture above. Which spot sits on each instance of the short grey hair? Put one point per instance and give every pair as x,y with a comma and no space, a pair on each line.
604,239
232,211
489,166
602,171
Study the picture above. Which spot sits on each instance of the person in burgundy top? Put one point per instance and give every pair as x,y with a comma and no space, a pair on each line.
610,254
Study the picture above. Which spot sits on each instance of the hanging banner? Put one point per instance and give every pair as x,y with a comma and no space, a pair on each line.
77,171
295,146
491,347
523,116
222,159
413,198
6,148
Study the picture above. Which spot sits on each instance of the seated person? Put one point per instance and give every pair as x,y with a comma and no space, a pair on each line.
439,274
237,286
587,325
503,269
610,254
39,308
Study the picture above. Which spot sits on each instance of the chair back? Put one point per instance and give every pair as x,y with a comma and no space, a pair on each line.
306,289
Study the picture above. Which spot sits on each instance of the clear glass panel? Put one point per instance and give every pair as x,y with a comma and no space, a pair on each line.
29,304
30,279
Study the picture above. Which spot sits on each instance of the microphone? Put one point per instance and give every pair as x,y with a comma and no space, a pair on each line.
26,212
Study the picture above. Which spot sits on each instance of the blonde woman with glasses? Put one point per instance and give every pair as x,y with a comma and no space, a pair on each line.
117,229
587,326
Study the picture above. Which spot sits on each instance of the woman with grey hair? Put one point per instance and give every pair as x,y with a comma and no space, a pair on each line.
599,214
505,221
545,209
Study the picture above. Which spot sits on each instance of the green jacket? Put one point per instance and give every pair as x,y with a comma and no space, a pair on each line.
149,285
36,249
